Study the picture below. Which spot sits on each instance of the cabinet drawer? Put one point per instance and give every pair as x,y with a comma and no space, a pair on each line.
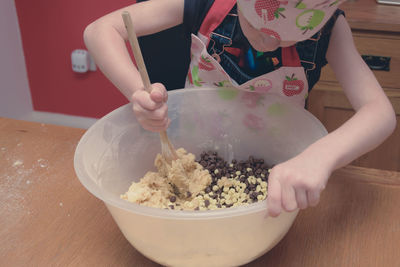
384,45
329,104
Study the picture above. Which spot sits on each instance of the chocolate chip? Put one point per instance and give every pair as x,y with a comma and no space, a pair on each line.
172,199
239,172
175,189
211,167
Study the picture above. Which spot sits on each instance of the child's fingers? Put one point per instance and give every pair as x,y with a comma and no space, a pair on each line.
274,201
158,114
152,115
301,198
155,126
313,198
289,202
143,99
158,93
154,123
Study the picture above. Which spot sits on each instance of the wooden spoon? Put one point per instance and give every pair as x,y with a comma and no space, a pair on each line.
167,149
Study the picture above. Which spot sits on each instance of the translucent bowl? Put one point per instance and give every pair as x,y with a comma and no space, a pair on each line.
116,151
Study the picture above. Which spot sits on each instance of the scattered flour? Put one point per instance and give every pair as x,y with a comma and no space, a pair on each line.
15,181
12,198
17,163
42,163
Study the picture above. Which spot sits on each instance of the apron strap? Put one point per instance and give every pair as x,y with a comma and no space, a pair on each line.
217,13
290,57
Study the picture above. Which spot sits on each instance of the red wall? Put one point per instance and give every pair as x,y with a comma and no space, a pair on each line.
51,30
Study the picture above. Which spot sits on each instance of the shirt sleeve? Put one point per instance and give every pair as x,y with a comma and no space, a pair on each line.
194,14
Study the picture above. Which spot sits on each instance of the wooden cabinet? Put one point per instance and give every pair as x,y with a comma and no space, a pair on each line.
376,32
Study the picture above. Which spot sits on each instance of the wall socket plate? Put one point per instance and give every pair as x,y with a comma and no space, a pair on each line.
82,61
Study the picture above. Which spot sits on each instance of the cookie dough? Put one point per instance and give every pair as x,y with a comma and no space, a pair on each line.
178,183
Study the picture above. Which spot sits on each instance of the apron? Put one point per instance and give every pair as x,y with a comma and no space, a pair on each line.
288,81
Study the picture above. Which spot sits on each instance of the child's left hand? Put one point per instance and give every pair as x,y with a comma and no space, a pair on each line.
296,183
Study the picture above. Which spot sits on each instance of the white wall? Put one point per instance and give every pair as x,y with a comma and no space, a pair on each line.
15,97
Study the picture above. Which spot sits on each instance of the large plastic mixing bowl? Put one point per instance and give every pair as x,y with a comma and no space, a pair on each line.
116,151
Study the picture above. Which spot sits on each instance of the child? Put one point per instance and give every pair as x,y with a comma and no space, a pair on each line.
256,45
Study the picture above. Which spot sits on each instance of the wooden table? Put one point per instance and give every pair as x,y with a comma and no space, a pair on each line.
47,218
371,16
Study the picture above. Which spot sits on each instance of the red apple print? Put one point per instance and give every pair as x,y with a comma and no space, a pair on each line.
253,122
292,86
205,64
271,33
269,9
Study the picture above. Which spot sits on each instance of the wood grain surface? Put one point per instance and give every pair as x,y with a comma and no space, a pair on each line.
379,45
331,106
368,15
47,218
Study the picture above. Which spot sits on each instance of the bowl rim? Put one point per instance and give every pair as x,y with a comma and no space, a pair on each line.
83,177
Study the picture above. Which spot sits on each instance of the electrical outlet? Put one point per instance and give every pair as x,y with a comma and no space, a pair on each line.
81,61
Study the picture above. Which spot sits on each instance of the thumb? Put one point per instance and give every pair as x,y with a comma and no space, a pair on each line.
158,93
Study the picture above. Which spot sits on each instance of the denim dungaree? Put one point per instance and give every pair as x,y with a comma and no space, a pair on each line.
222,37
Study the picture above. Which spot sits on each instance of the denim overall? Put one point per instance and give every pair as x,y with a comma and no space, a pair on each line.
223,35
211,67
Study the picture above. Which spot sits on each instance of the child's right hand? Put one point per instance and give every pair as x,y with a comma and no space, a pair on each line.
151,108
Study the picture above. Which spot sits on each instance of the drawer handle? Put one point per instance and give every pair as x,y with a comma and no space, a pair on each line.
377,62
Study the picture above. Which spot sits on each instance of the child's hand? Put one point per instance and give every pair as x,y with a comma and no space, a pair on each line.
151,108
296,183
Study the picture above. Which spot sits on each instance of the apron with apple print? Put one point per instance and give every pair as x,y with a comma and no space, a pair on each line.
288,81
